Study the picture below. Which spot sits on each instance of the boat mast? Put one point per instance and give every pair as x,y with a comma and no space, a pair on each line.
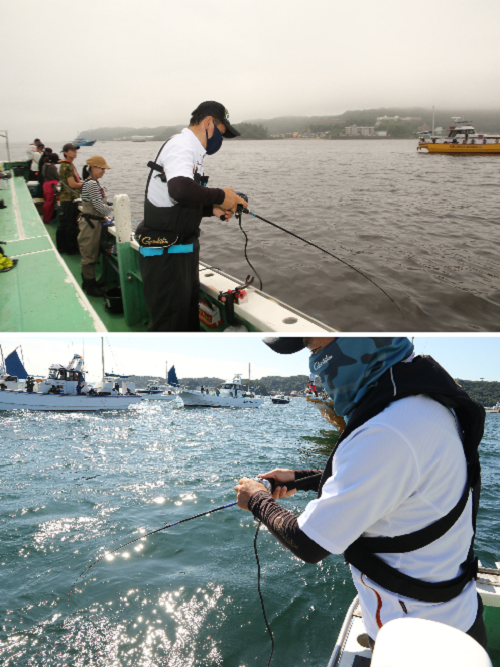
248,377
432,122
102,357
2,367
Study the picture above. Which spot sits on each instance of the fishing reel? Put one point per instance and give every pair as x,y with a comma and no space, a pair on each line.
239,208
296,484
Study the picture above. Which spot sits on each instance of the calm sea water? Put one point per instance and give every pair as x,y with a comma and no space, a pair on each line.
424,227
72,485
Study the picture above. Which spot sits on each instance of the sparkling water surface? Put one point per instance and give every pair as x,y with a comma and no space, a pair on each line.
75,485
424,227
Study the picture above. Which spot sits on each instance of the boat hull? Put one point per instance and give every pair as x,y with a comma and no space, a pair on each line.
193,399
278,401
158,397
22,400
461,149
84,143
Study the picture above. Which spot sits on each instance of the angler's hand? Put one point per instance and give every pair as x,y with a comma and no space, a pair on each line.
232,200
219,212
281,476
245,490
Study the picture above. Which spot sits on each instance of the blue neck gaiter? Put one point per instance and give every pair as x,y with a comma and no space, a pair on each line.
348,367
215,141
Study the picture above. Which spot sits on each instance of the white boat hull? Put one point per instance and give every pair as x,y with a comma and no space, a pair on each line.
23,400
158,397
197,399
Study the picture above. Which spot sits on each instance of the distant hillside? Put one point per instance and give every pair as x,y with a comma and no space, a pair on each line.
485,393
267,385
261,128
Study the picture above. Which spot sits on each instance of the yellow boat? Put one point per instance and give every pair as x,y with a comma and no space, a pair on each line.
461,140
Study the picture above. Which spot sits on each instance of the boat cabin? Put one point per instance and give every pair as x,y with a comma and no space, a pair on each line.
234,388
63,379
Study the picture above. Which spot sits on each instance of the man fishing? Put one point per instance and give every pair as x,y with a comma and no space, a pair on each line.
399,494
175,203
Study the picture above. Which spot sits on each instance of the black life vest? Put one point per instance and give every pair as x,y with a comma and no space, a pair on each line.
164,226
421,376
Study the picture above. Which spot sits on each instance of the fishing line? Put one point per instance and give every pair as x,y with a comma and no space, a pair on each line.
260,594
238,216
270,485
142,537
245,210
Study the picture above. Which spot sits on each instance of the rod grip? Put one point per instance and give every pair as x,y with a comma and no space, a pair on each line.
297,484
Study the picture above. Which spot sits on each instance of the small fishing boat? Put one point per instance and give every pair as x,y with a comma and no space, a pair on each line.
161,392
229,395
65,389
351,647
461,140
156,392
84,142
280,400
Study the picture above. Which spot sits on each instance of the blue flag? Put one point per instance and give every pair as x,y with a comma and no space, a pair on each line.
172,378
14,366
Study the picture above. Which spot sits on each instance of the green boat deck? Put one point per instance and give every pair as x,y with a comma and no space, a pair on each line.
40,293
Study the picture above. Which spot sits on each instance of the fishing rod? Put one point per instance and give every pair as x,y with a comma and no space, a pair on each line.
270,485
241,209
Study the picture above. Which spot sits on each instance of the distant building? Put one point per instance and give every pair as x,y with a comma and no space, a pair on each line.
424,128
381,133
295,135
355,131
412,118
288,135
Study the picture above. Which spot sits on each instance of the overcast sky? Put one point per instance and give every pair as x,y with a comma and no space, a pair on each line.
69,66
468,358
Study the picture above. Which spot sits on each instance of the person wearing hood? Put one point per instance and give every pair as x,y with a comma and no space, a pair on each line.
400,492
176,201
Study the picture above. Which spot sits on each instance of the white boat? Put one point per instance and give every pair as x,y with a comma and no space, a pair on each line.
59,392
429,645
230,395
495,408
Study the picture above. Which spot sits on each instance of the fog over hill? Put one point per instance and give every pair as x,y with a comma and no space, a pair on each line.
483,120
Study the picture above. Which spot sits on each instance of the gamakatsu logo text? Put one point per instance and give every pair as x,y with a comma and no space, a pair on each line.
318,364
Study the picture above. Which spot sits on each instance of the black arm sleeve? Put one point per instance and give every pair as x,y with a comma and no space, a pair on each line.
185,191
285,528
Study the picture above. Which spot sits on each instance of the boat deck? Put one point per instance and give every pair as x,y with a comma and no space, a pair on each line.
43,292
40,293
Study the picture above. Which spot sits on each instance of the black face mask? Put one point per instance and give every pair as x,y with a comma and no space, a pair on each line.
215,141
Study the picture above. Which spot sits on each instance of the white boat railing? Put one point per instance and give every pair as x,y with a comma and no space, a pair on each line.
343,633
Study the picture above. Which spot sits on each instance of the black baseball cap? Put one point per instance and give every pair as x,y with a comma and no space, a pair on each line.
219,111
284,345
70,147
